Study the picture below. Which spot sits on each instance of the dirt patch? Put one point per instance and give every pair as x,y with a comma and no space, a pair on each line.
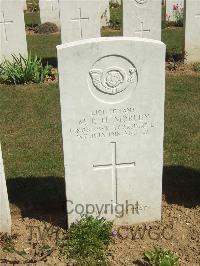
178,231
178,69
32,31
110,29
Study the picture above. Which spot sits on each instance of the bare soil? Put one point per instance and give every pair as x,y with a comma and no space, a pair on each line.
179,231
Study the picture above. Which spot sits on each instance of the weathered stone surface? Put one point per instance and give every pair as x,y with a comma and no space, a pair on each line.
80,19
112,106
5,218
49,11
192,31
12,29
105,13
142,18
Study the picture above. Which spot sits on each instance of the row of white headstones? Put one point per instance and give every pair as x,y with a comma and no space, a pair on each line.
82,19
112,106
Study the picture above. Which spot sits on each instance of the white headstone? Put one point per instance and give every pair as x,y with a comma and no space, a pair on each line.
5,218
12,29
112,104
171,8
192,31
105,13
142,18
80,19
24,5
49,11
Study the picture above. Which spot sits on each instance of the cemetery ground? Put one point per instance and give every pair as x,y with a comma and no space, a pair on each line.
32,148
31,138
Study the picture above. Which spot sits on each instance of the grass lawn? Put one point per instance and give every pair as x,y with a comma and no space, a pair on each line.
30,134
174,40
44,45
32,19
31,130
172,37
31,127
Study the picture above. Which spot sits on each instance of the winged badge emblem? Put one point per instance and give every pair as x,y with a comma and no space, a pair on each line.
141,2
113,80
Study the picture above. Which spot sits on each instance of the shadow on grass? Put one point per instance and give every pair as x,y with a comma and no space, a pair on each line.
50,61
181,186
44,198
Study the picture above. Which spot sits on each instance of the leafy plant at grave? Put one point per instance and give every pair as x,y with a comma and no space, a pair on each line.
115,15
114,4
161,257
196,67
174,58
33,5
87,241
178,14
22,70
46,28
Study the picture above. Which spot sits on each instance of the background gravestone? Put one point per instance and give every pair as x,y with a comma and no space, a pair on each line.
112,106
49,11
142,18
12,29
192,30
24,5
80,19
105,13
5,218
170,6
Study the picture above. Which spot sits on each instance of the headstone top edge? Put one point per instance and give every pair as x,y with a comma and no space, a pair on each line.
108,39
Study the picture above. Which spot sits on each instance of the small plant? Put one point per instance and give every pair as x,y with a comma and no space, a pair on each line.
114,4
196,67
87,241
33,6
178,12
161,257
22,70
115,18
46,28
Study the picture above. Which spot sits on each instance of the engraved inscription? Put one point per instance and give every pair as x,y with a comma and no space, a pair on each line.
114,166
113,123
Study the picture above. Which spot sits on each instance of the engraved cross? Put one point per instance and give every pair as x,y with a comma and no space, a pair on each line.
114,166
52,7
142,30
79,19
3,22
